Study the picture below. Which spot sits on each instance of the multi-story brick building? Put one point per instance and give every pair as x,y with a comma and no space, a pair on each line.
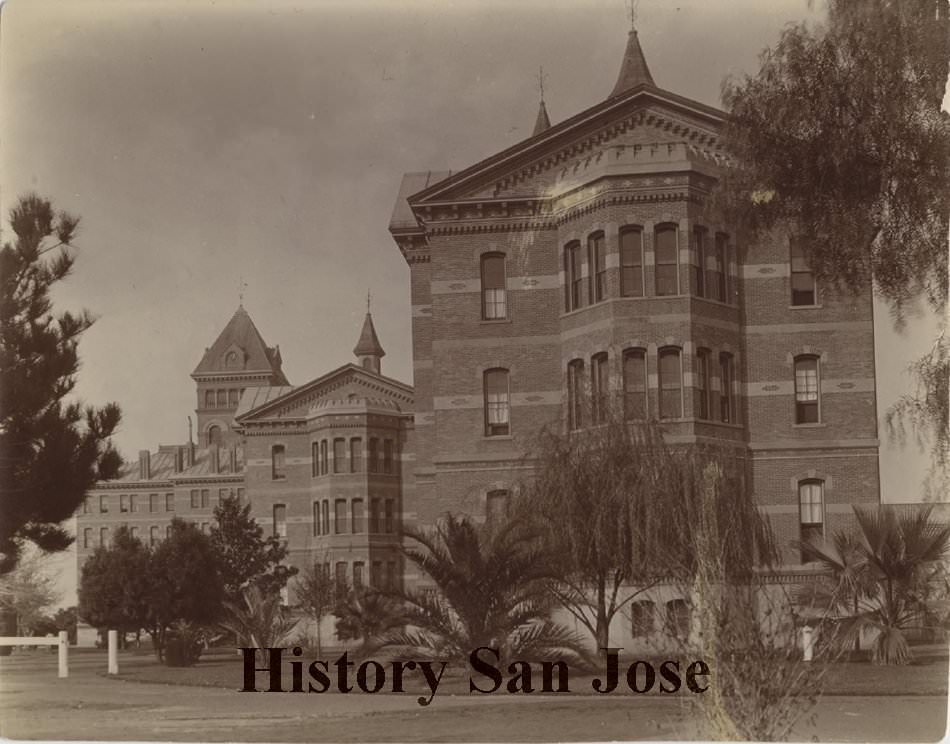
320,463
586,257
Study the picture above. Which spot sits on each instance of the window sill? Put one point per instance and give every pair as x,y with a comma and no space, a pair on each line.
818,425
497,437
494,321
805,307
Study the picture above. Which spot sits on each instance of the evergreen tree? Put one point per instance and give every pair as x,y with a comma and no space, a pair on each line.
51,450
244,555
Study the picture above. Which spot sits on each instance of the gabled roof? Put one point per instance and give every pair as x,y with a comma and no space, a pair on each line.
368,345
267,402
591,120
241,336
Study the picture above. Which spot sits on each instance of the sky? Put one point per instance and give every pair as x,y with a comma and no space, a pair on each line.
219,148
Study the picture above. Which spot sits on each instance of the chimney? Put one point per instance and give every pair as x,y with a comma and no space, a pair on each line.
190,454
145,464
179,459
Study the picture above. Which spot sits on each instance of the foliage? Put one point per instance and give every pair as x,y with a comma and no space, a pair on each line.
53,450
367,615
887,580
257,619
316,595
840,133
184,644
245,556
489,591
66,618
609,502
183,582
26,593
113,585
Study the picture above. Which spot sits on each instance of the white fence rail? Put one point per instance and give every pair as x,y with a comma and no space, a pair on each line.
62,641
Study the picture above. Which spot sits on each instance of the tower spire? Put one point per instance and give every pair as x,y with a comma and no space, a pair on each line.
543,122
633,69
369,352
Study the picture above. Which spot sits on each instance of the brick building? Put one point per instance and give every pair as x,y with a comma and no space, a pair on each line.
320,463
585,258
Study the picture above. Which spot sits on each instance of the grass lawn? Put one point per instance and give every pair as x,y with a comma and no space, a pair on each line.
927,675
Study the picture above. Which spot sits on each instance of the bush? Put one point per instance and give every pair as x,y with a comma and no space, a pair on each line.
183,645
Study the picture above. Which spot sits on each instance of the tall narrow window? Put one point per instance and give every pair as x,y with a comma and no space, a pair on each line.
153,502
205,498
573,277
803,280
358,574
376,574
232,398
631,262
340,575
314,459
667,261
677,618
86,508
326,517
324,458
103,504
597,267
374,516
702,384
727,402
277,462
387,455
209,398
671,384
642,617
87,537
317,529
811,511
123,503
494,295
496,506
373,455
497,408
133,503
575,394
391,575
389,520
169,502
358,517
280,520
356,455
807,386
153,535
715,270
168,531
195,498
699,276
339,517
222,401
635,384
600,387
104,536
339,455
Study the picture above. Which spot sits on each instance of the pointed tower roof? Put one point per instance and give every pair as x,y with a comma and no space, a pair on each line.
240,348
633,69
542,122
368,345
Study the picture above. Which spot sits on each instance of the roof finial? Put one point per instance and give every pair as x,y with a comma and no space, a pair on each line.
368,298
241,287
543,122
541,77
632,11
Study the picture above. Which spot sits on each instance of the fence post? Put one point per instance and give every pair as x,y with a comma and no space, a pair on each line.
113,652
808,643
63,654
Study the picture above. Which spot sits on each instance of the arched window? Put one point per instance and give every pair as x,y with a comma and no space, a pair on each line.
573,277
339,516
803,280
677,618
339,455
631,262
277,462
494,295
373,455
716,274
699,277
324,458
496,506
314,459
702,383
497,405
358,516
667,261
807,390
671,383
356,455
642,618
214,435
597,267
317,527
599,387
87,537
575,393
811,507
727,375
635,384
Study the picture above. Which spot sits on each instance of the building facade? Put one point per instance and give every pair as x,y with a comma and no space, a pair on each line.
321,463
586,260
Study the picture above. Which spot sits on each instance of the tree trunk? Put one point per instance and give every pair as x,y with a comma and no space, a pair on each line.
603,627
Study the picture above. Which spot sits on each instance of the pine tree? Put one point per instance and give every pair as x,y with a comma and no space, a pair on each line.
52,448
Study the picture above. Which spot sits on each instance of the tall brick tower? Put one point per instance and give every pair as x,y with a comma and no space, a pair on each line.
239,358
586,260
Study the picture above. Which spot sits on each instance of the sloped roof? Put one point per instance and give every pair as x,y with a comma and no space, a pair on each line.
258,396
241,332
633,70
402,217
368,345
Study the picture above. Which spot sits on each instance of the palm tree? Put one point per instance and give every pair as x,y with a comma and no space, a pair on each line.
883,572
489,592
258,619
368,615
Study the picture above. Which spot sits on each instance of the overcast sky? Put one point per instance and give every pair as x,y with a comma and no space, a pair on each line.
206,143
